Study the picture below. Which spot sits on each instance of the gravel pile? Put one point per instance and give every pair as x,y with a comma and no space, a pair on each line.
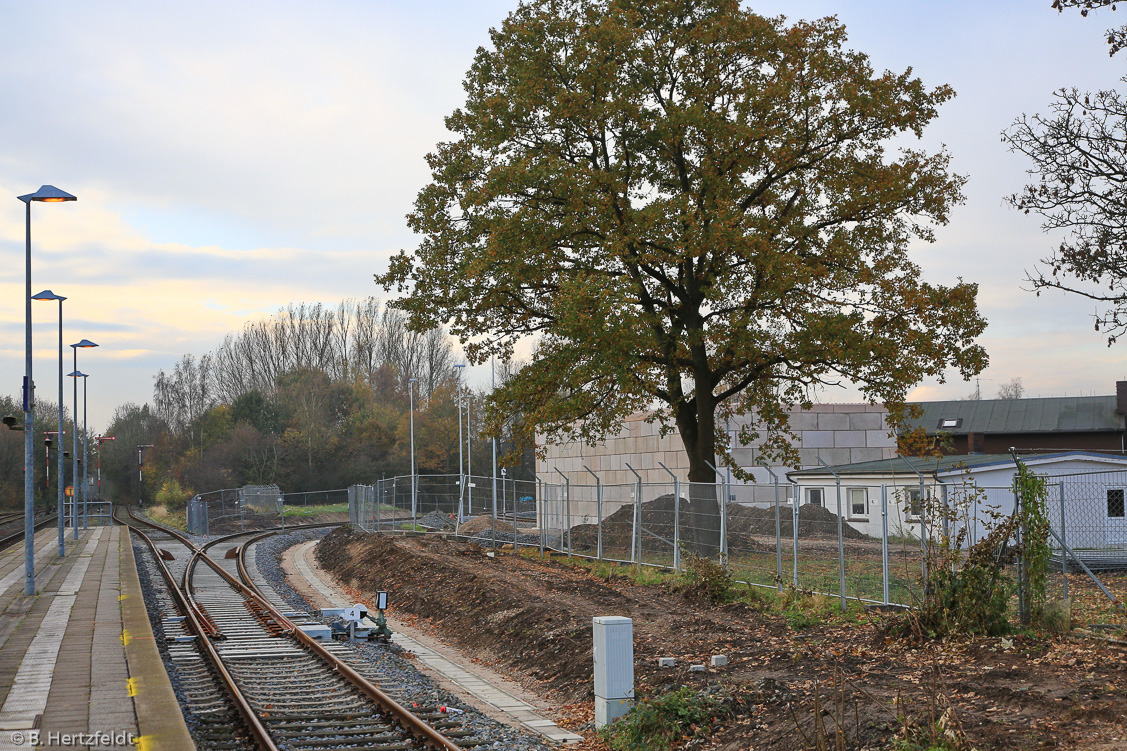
386,663
436,520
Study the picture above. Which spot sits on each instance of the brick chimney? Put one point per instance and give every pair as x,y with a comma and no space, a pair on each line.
976,443
1121,397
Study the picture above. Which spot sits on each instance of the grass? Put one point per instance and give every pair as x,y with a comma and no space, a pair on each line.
161,515
302,512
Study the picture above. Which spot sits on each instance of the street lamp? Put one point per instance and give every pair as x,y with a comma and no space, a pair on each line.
49,295
45,194
461,476
84,344
414,483
77,457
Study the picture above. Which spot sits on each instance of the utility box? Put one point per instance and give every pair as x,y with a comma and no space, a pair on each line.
614,667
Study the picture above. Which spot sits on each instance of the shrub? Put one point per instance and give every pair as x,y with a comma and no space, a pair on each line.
706,580
172,496
655,723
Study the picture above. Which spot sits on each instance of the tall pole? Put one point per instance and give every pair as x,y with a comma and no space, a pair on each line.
28,428
74,452
493,374
85,442
62,533
49,194
461,475
411,390
469,456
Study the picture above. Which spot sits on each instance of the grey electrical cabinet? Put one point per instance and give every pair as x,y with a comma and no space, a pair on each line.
614,667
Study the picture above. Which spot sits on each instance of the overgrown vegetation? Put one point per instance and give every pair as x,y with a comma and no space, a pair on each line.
967,590
706,580
657,722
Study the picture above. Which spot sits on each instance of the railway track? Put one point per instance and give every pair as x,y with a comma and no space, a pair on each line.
10,538
252,679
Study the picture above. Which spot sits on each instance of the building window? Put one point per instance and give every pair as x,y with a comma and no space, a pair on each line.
1115,503
915,503
858,502
814,496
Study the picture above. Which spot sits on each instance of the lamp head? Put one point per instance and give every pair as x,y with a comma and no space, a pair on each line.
85,343
48,194
77,374
47,295
11,422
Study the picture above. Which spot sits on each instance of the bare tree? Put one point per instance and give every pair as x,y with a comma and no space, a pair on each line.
1012,390
1079,184
1116,37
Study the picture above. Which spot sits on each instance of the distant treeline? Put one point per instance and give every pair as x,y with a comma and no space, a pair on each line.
310,398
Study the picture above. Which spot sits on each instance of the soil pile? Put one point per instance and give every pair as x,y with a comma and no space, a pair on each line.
482,524
814,522
744,523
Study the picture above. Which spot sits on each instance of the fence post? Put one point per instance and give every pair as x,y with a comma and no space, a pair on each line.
840,536
1063,543
778,530
923,518
723,514
567,510
884,539
636,531
676,518
598,514
541,512
794,532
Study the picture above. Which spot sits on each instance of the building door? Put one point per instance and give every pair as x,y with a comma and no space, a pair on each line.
1116,519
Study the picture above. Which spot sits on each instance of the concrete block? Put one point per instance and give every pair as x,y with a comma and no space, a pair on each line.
666,662
833,421
719,660
866,421
817,439
803,421
849,439
696,669
879,438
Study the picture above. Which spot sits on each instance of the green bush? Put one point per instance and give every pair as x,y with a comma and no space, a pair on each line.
706,580
656,723
172,496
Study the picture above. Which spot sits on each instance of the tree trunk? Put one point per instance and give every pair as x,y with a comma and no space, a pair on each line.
700,517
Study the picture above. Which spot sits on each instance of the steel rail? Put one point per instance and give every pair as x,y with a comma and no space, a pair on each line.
422,731
414,726
242,705
9,540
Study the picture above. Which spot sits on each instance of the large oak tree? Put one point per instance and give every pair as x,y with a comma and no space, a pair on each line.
692,210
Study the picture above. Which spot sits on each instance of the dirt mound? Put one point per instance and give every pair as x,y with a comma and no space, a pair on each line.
483,523
744,522
814,522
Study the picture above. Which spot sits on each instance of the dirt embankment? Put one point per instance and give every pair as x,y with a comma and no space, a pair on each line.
532,619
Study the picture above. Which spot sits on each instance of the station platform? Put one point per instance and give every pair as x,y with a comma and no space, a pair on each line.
79,667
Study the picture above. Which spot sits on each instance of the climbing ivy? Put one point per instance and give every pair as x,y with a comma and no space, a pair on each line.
1033,521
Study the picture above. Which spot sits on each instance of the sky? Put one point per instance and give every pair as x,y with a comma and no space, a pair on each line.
230,158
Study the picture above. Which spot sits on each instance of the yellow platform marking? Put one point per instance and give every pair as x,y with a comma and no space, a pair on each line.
131,686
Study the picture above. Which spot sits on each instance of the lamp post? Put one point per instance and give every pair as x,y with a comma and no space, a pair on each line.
84,344
411,391
49,295
85,443
76,374
45,194
461,477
